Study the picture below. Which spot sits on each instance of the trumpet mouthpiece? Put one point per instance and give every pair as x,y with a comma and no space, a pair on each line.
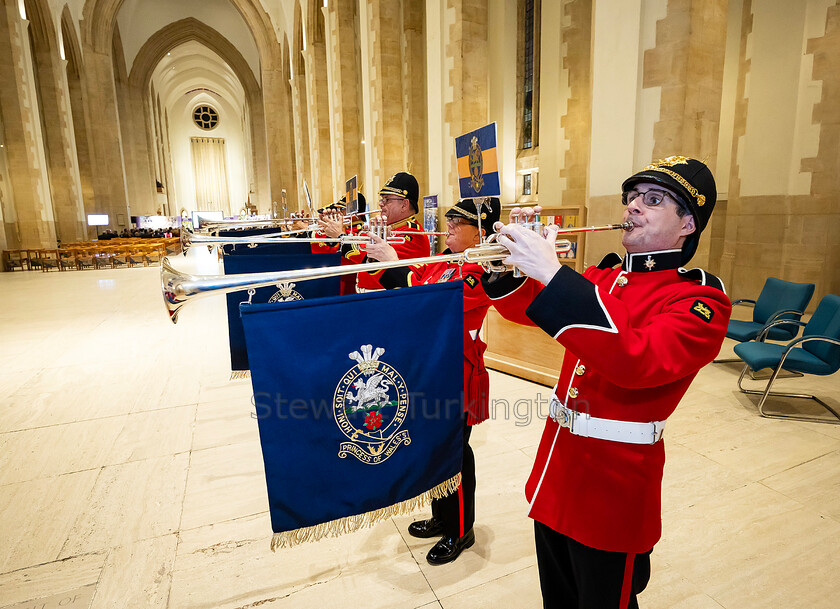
628,226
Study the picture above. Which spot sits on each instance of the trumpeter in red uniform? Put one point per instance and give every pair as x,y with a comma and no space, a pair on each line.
636,334
453,516
398,204
331,224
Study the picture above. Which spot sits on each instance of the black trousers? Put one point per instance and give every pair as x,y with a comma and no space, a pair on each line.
457,511
575,576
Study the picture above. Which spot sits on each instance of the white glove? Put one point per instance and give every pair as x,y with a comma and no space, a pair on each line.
531,253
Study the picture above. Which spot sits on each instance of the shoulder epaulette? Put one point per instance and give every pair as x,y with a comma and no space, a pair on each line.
703,277
609,261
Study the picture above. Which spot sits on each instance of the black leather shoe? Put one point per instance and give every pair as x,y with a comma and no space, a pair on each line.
449,548
426,528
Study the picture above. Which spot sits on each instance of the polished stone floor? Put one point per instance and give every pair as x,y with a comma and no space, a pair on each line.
131,477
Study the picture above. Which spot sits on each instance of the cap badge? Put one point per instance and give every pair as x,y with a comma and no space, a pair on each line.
668,162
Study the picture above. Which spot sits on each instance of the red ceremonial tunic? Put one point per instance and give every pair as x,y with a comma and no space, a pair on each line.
476,303
348,282
635,338
416,246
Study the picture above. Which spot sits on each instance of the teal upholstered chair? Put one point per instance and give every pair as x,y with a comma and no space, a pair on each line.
779,299
817,351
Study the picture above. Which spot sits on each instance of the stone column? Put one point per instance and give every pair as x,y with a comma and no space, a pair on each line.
109,182
318,114
818,240
140,179
465,82
301,139
279,139
261,197
414,93
65,188
33,217
344,82
386,143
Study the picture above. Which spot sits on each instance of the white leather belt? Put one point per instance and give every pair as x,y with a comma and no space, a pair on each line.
366,290
473,334
581,424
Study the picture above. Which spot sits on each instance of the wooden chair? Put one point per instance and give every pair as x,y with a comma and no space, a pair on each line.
15,259
67,259
103,255
34,257
136,256
119,257
153,255
85,258
50,260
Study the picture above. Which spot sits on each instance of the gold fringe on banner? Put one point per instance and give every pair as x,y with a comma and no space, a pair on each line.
238,375
349,524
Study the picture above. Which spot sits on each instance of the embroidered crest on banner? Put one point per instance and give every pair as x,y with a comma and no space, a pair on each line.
476,160
370,405
285,293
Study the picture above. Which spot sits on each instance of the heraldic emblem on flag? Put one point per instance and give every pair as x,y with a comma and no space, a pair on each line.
362,420
381,397
478,168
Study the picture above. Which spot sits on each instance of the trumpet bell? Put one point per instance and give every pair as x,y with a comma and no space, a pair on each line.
170,285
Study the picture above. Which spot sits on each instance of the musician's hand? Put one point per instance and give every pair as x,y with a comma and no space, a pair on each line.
299,222
524,214
331,225
381,250
531,253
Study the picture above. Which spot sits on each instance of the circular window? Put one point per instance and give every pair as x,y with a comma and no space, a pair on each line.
205,117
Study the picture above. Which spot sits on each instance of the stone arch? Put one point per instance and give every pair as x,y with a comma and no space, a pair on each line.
191,29
99,18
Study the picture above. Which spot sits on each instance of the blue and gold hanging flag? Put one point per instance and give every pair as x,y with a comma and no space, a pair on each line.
316,288
358,421
478,170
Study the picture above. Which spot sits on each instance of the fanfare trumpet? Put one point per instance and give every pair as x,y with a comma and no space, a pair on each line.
284,224
189,238
179,288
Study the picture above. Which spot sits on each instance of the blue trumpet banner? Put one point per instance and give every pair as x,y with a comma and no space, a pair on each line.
478,168
357,421
315,288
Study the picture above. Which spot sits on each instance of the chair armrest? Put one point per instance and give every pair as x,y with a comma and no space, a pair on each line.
744,301
805,339
778,314
760,338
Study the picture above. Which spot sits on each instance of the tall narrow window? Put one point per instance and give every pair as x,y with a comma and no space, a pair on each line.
528,77
528,73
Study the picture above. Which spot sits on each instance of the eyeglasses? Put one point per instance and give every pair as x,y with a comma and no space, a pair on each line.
651,198
389,200
456,220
